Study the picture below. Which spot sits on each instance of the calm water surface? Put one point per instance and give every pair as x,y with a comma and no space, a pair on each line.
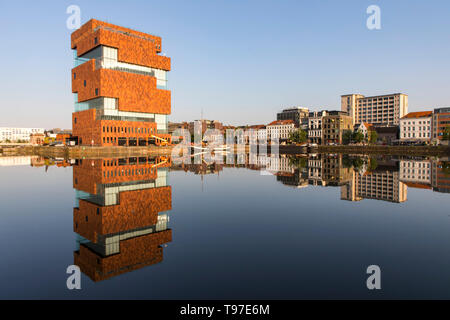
304,227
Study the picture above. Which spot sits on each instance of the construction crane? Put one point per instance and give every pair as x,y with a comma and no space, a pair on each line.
162,141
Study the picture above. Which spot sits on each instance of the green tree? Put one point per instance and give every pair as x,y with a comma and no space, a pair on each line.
298,136
373,136
358,163
298,162
347,136
358,136
446,134
373,164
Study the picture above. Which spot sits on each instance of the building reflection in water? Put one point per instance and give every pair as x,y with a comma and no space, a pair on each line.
121,214
374,177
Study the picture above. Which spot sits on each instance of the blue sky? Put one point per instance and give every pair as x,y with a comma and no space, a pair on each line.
239,61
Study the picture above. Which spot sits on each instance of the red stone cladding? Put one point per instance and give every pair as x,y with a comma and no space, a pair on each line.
135,92
136,209
134,253
90,173
135,47
88,128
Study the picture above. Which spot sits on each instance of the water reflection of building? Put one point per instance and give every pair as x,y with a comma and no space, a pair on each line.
324,170
298,178
441,176
120,214
17,160
416,173
383,183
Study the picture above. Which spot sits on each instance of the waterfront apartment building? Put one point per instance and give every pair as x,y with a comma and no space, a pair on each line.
441,122
379,110
297,114
315,121
119,83
280,129
335,123
18,134
416,126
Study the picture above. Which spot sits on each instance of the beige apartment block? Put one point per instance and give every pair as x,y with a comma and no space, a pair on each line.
385,109
335,123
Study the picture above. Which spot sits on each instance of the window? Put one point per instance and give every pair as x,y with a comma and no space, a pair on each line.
96,91
74,75
95,40
75,120
84,82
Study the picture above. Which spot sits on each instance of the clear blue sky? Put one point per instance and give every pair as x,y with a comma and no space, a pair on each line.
239,61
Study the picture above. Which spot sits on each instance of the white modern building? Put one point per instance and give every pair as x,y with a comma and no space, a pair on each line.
280,129
16,134
416,126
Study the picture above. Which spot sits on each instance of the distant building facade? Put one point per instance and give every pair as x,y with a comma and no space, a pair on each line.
16,134
441,121
297,114
385,109
280,129
335,123
204,125
37,138
416,126
386,134
315,122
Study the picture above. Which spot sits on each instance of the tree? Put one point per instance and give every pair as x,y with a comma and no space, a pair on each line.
298,136
347,136
373,136
298,162
358,136
373,164
446,134
358,163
